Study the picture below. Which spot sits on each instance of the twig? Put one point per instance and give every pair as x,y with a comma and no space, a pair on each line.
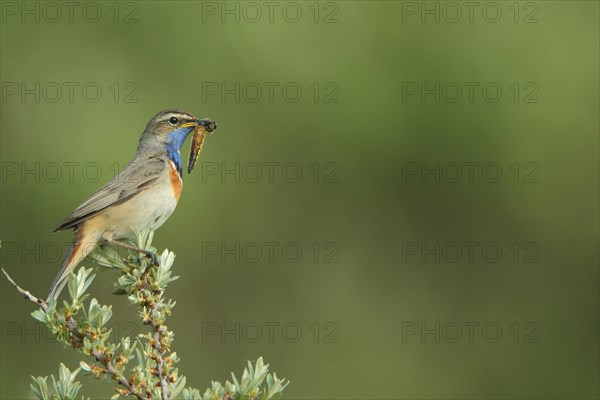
156,341
110,369
72,327
26,293
164,385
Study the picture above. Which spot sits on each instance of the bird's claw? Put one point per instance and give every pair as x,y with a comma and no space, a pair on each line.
152,256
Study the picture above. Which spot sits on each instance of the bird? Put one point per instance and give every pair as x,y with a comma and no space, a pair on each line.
142,196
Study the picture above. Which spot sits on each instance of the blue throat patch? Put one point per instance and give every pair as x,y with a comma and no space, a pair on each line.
174,143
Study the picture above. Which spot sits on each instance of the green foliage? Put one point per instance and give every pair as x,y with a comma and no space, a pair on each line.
63,388
144,367
249,388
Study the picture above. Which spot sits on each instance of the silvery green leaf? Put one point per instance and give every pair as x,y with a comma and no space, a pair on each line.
85,366
39,386
79,283
56,388
72,286
40,315
51,306
235,381
140,357
191,394
230,387
108,256
177,386
63,373
105,315
275,386
94,309
143,238
85,278
166,259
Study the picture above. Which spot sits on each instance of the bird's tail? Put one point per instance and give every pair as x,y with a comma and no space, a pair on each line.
77,252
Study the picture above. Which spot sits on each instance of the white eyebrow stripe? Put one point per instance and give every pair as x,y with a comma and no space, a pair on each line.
178,115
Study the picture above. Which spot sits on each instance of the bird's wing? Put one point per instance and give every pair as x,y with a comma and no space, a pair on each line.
138,176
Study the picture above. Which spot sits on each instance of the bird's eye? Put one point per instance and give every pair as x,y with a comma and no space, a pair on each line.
173,120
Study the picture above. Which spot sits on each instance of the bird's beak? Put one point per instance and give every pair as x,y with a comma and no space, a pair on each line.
189,124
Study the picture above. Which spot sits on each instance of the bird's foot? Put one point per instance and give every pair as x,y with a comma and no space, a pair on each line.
152,256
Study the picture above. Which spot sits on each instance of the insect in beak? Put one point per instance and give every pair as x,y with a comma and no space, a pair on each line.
201,127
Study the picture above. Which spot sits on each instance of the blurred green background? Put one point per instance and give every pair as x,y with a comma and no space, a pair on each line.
361,319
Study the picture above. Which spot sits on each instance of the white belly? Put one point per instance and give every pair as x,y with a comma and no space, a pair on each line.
148,209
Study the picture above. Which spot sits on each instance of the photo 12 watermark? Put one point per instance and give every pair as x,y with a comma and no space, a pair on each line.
470,12
287,332
271,12
470,92
271,252
69,92
52,12
318,172
326,92
470,332
37,332
469,172
470,252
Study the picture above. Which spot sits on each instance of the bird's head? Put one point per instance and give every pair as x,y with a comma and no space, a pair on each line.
168,125
167,131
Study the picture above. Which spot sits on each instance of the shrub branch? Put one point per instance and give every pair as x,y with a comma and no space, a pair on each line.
82,326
